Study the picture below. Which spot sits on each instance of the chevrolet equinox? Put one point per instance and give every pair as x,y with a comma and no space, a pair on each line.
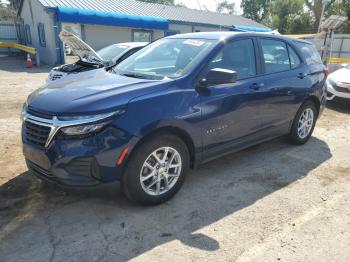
179,102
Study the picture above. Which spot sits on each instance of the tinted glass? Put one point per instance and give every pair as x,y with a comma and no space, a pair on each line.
112,51
276,57
238,56
169,58
294,58
309,52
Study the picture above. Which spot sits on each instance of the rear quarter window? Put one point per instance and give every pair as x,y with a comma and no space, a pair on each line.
309,52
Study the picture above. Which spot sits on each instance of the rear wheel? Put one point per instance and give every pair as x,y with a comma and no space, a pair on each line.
303,124
156,170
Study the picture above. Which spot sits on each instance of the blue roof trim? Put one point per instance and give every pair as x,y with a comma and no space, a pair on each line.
85,16
251,28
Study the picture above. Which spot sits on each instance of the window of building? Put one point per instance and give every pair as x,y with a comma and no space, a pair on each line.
41,32
27,34
275,54
238,56
171,32
142,36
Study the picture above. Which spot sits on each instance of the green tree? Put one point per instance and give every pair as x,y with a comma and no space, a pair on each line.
257,10
6,12
315,6
283,14
225,6
302,24
340,8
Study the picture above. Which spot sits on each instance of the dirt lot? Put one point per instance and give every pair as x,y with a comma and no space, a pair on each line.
272,202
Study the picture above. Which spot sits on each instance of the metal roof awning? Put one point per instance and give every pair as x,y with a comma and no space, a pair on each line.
86,16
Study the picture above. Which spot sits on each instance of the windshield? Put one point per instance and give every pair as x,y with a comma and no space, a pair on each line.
165,58
110,52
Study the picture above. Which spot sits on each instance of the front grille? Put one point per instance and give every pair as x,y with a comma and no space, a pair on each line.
36,134
38,114
342,89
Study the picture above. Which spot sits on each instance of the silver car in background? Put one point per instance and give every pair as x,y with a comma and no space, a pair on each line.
90,59
338,83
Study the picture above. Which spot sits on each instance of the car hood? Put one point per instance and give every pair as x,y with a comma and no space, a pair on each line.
341,75
93,92
80,48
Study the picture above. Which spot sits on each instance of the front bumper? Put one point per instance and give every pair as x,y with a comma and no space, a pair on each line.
333,92
86,161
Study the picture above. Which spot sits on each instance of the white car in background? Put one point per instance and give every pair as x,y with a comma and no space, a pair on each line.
338,83
90,59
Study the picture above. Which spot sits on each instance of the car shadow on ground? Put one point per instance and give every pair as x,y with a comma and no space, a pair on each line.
339,105
43,222
17,63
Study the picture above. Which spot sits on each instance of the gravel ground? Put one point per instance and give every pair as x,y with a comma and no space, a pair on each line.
272,202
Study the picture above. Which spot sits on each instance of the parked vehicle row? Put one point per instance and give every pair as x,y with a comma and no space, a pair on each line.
179,102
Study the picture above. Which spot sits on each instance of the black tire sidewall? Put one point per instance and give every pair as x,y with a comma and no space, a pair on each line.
294,136
131,178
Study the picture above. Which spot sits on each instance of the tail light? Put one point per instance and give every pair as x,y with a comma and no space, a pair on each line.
326,71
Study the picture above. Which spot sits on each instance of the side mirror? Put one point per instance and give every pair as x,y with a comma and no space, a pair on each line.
218,76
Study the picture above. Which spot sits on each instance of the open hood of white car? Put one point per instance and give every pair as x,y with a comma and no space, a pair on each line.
80,48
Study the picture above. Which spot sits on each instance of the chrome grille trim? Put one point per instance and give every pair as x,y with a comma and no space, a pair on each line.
55,124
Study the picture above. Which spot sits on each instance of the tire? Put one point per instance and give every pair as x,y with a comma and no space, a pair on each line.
297,137
174,172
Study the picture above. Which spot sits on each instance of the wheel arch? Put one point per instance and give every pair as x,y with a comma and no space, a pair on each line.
315,100
172,130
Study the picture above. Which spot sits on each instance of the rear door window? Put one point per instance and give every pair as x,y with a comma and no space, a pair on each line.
238,56
294,58
309,52
275,55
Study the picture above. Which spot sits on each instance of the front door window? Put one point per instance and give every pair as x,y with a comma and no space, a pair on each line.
238,56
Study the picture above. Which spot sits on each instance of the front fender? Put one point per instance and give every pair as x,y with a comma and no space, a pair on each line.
177,108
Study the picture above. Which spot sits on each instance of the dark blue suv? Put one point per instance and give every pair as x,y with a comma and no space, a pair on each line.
181,101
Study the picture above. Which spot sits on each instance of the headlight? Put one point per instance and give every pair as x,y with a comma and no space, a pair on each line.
24,111
83,125
83,129
330,82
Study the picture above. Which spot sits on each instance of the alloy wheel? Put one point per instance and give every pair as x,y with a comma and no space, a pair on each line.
160,171
305,123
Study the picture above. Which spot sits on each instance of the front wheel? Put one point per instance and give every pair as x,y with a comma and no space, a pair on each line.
303,124
156,170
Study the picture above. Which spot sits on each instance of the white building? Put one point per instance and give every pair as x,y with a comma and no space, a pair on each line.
103,22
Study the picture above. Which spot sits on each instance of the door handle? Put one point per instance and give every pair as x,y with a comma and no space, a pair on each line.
302,75
256,86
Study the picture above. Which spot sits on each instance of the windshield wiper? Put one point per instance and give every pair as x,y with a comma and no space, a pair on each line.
134,75
142,76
